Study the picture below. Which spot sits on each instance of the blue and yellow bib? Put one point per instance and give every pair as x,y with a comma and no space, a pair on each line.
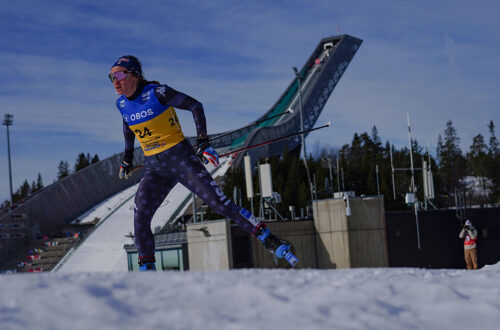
155,126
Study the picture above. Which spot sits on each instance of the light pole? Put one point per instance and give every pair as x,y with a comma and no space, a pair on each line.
300,78
8,122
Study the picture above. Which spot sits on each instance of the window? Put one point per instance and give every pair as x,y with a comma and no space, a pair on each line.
171,259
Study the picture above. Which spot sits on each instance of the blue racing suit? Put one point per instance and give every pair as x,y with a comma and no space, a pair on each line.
150,116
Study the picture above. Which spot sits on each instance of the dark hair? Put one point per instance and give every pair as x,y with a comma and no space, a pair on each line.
141,75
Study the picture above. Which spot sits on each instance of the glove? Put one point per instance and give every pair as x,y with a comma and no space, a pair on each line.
126,165
124,170
206,153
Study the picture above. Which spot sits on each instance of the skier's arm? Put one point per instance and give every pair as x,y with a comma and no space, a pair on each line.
129,143
170,97
473,233
462,233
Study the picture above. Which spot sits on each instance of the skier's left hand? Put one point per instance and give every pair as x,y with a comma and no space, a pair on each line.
206,153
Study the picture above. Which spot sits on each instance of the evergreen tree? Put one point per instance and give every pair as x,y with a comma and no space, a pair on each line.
476,158
62,170
494,148
377,142
25,189
39,182
494,161
451,160
477,162
95,159
23,192
439,148
82,161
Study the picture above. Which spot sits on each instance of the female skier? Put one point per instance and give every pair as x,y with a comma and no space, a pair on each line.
147,108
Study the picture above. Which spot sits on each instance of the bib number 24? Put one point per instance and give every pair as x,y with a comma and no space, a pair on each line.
142,134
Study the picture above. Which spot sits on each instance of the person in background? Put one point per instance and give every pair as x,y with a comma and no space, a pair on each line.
470,234
148,114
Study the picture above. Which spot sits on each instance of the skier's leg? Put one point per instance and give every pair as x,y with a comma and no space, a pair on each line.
152,190
193,175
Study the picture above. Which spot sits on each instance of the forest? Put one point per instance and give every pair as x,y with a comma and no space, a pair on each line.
364,166
367,160
27,190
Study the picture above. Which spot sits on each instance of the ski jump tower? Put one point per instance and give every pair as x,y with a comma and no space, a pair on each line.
321,73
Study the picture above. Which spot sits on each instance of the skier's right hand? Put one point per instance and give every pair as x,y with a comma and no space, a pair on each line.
126,166
124,170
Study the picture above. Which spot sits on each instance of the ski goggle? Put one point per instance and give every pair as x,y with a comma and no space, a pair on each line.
120,75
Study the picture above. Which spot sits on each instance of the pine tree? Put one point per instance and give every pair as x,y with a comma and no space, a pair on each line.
95,159
82,161
477,162
377,142
23,192
25,189
494,161
439,148
62,170
451,160
493,147
39,182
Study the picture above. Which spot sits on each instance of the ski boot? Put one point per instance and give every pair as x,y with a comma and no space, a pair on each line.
147,264
280,248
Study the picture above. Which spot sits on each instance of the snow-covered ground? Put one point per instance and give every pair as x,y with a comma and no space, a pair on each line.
365,298
92,290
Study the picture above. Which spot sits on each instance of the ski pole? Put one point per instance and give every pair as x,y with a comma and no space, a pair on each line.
252,124
275,140
135,168
256,145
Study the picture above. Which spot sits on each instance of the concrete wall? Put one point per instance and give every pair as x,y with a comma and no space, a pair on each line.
302,236
345,241
332,240
209,245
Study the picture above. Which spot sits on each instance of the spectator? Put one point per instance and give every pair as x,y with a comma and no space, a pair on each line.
470,234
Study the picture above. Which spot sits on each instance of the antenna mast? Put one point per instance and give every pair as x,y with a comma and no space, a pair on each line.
412,187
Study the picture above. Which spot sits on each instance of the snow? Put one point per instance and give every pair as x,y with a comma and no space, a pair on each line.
364,298
93,290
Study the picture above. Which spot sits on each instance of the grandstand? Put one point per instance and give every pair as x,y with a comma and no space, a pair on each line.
97,188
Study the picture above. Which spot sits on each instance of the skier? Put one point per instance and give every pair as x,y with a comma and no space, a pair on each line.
147,108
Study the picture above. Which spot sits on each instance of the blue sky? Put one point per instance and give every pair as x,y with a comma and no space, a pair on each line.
437,60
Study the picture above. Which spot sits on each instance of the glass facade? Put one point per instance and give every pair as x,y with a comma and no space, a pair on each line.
166,259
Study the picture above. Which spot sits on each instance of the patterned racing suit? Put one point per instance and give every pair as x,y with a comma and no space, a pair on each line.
149,116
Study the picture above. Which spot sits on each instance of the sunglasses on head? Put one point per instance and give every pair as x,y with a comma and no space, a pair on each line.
120,75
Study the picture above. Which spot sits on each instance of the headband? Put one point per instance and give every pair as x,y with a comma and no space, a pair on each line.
130,64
